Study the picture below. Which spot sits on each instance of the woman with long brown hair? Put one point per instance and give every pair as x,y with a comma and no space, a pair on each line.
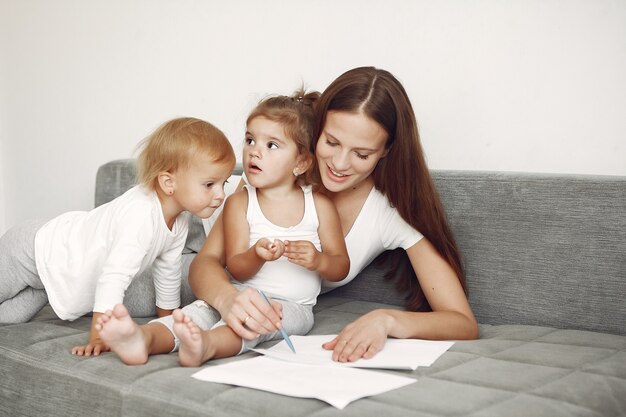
371,165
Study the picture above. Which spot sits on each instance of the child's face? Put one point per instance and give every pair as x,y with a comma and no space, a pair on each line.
269,156
200,187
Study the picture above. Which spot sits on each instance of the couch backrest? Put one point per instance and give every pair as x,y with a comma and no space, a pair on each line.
540,249
113,179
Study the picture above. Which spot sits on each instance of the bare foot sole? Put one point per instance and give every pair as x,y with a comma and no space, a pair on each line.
192,343
118,330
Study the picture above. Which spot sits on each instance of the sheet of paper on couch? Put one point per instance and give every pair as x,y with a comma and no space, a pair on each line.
335,385
397,353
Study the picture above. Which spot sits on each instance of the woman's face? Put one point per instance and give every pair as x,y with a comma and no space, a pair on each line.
349,147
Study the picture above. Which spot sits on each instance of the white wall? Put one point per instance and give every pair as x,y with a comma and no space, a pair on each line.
517,85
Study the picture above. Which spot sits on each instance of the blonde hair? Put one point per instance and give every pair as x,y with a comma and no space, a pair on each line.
175,143
296,114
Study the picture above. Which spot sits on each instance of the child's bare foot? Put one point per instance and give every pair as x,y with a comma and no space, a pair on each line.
118,330
194,349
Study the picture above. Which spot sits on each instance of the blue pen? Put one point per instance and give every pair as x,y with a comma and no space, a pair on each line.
282,331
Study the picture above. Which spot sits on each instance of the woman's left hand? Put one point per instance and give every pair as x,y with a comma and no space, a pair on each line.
362,338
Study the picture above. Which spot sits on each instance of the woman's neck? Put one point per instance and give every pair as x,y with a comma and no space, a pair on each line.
349,203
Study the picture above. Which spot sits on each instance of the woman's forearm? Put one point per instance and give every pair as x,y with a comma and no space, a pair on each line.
207,277
245,265
209,281
437,325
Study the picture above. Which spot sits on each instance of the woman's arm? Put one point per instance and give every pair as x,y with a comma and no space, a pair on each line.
451,317
209,282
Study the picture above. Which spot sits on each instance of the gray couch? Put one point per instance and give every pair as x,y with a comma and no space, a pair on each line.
546,265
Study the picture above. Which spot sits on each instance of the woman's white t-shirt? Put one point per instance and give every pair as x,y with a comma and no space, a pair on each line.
377,228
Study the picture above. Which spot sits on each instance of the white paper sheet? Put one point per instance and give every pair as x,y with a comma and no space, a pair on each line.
397,353
335,385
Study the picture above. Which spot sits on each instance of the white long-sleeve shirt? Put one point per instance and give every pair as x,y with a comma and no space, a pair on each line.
87,260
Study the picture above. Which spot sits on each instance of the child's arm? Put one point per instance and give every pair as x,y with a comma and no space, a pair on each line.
332,263
242,260
210,283
167,273
132,236
95,345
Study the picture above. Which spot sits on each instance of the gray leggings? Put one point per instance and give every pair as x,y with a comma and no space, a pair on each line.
297,320
22,294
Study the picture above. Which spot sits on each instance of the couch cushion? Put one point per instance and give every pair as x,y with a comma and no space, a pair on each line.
510,370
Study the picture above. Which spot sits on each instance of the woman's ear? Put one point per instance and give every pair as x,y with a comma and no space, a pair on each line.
166,182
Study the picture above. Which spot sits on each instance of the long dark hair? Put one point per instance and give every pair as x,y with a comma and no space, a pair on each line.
402,175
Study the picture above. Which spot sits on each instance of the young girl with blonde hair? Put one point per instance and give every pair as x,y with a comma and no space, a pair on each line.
83,262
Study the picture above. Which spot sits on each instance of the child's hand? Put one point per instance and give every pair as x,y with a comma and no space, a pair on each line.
268,250
95,346
303,253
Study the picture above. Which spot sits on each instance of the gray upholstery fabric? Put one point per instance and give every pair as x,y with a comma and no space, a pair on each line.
546,269
513,370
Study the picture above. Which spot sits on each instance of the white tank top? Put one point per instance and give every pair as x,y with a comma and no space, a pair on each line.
280,277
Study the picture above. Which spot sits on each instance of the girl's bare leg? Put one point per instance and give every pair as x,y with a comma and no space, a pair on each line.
131,342
198,346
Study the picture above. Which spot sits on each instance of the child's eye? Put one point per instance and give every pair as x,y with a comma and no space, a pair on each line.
272,145
249,141
209,184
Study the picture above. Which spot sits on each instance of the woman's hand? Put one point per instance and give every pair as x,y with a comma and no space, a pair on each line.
303,253
362,338
249,315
